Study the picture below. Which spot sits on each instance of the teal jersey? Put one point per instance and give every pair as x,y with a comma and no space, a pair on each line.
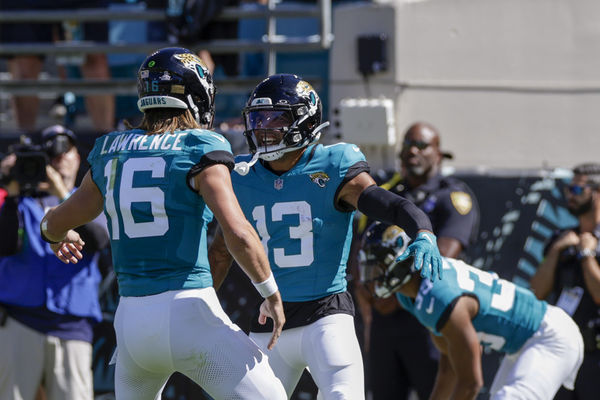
157,223
508,314
305,235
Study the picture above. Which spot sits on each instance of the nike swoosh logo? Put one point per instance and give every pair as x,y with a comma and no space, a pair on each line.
222,139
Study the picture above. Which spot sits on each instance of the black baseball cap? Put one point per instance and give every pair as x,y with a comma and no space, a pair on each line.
52,131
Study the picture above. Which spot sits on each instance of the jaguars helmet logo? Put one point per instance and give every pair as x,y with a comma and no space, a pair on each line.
305,89
390,235
193,62
320,178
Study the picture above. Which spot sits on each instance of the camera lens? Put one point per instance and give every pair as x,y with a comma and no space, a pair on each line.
58,145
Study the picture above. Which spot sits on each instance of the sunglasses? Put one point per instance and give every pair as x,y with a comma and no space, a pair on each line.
407,144
576,189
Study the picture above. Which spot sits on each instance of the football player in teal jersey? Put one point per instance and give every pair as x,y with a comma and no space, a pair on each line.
300,197
471,308
159,185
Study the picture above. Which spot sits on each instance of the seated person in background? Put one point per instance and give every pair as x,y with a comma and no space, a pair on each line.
100,107
471,308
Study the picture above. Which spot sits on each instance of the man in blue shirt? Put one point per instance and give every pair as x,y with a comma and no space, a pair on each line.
48,308
471,308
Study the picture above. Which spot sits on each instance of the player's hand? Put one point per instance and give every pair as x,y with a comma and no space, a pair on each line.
426,255
69,249
272,307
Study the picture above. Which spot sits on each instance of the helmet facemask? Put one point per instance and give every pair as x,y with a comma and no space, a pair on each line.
282,96
272,132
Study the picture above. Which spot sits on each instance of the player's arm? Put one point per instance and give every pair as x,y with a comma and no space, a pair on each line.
214,185
219,258
57,226
363,194
445,380
463,349
589,264
543,280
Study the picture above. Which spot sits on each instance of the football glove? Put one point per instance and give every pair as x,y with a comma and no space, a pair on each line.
427,258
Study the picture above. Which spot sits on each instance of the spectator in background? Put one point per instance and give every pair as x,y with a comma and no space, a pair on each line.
47,309
191,21
125,65
101,107
397,366
571,273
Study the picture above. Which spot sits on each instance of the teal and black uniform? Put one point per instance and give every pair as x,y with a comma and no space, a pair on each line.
454,213
157,222
508,314
306,235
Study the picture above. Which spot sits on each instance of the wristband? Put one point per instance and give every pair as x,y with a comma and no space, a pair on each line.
266,288
586,253
43,229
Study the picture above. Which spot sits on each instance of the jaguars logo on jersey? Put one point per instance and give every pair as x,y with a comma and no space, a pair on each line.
320,178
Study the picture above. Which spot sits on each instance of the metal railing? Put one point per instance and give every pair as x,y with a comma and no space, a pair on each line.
271,44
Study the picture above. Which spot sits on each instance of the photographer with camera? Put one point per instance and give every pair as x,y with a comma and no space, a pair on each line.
47,308
571,272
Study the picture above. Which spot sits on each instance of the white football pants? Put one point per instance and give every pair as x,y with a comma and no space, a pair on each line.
328,348
549,359
187,331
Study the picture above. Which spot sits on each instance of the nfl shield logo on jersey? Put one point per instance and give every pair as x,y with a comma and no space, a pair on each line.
278,184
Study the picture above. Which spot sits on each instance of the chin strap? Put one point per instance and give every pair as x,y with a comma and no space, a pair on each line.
318,129
243,167
194,108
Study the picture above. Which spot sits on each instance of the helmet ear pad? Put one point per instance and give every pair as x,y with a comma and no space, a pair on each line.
174,77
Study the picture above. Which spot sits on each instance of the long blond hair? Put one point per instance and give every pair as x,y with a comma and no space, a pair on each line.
161,120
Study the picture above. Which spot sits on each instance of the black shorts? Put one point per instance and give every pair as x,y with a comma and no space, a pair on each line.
24,32
303,313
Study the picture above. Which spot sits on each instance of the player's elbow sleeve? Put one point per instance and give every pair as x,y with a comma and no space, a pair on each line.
383,205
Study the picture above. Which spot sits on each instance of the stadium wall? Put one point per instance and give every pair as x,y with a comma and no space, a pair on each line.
509,84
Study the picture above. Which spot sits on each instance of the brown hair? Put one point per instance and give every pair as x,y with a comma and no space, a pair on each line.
161,120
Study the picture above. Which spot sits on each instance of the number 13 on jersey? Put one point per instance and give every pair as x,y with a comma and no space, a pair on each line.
302,232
